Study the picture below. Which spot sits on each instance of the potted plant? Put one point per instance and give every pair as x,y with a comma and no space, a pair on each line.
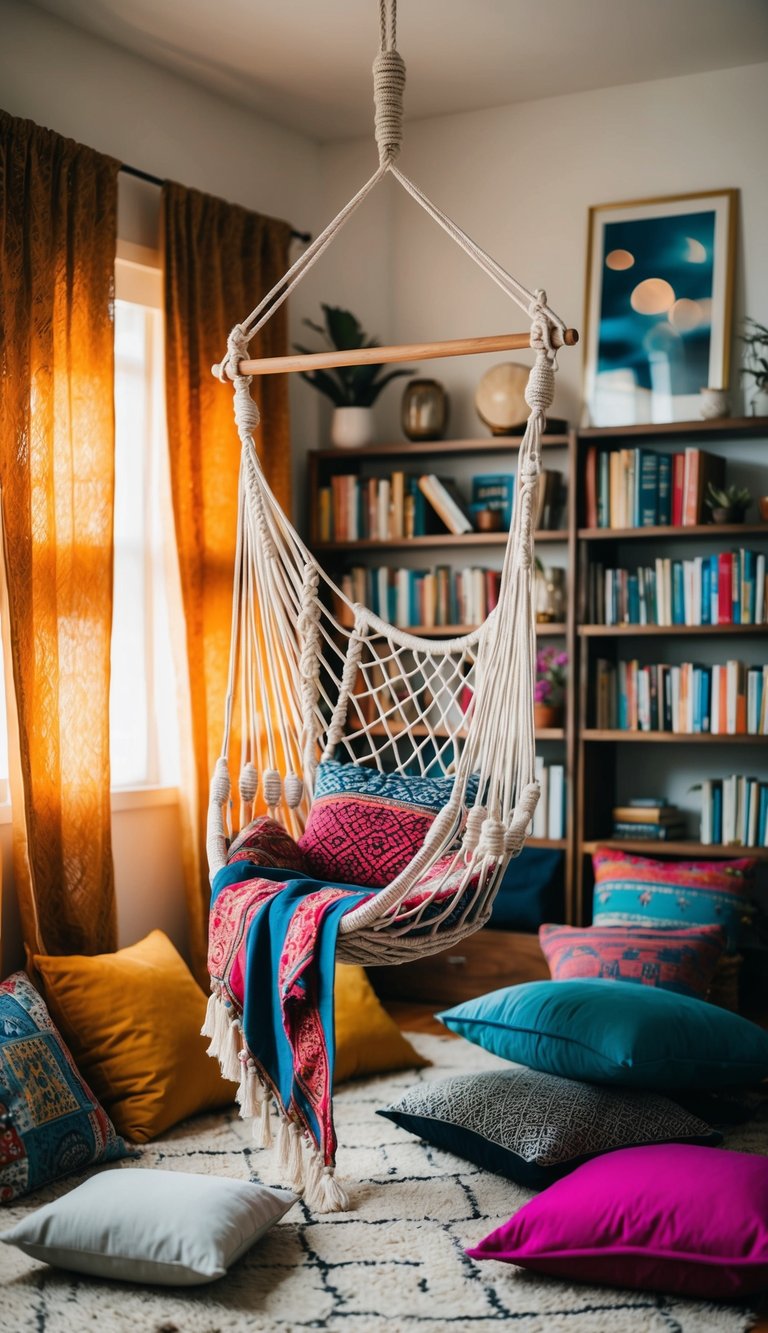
550,687
755,343
352,389
728,506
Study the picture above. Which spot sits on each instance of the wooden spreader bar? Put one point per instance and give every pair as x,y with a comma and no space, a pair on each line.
366,356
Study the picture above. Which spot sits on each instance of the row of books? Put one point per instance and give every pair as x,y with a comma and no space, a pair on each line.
549,819
649,819
734,811
726,589
426,597
729,699
402,506
640,488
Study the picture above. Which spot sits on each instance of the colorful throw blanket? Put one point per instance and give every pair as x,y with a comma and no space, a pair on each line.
272,950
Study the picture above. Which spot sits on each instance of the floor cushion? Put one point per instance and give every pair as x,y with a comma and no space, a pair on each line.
677,960
164,1227
368,1041
531,891
615,1032
365,826
133,1019
643,891
534,1127
674,1218
51,1123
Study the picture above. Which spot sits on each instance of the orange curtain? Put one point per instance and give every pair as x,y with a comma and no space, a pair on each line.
219,260
58,227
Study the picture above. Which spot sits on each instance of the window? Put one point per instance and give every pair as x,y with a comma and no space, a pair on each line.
144,742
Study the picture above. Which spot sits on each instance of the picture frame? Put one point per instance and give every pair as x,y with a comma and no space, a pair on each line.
658,306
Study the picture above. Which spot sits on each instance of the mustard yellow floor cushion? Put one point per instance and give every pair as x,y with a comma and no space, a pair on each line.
132,1020
368,1041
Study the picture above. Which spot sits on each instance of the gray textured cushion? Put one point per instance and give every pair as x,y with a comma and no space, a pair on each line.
151,1226
535,1127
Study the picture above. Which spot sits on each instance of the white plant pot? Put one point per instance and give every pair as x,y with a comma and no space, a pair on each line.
351,427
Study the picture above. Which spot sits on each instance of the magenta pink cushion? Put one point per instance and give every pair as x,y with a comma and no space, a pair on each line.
679,960
357,838
264,842
675,1218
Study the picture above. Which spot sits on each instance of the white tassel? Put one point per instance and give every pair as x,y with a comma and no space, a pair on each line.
209,1022
230,1053
265,1125
313,1180
282,1150
335,1197
295,1162
250,1093
220,1025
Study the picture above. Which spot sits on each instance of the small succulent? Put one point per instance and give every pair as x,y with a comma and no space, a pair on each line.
346,386
734,498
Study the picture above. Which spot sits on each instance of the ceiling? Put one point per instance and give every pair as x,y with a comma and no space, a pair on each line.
306,63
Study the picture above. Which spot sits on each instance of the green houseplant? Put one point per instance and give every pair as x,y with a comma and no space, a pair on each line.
352,389
729,505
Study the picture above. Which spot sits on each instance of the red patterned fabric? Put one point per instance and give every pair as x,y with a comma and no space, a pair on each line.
362,839
264,842
679,960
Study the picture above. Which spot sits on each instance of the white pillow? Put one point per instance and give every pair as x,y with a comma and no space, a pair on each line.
151,1226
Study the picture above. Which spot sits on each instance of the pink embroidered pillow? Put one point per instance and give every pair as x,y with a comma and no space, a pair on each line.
677,960
264,842
673,1217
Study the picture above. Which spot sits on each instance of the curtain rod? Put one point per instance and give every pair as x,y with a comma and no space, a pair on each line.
304,236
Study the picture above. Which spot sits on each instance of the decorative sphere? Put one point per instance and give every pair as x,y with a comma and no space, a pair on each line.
500,397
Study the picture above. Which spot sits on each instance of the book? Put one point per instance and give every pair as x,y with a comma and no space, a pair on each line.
540,821
650,832
664,491
700,469
556,803
678,485
647,509
631,814
494,491
590,487
447,503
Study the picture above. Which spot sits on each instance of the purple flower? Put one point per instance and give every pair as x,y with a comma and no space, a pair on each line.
542,691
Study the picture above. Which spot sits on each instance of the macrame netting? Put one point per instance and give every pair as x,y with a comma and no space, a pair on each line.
315,676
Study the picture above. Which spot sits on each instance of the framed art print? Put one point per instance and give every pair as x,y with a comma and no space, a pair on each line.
658,307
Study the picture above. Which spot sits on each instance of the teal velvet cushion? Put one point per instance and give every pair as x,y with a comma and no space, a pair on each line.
615,1032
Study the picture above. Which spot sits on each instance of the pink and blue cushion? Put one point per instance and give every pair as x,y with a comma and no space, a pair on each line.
678,960
642,891
50,1122
264,842
672,1217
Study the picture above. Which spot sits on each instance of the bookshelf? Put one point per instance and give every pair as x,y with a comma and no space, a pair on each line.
464,458
614,765
604,766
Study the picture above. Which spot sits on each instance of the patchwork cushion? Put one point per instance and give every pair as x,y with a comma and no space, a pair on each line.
164,1227
674,1218
615,1032
264,842
133,1020
50,1122
534,1127
677,960
365,826
642,891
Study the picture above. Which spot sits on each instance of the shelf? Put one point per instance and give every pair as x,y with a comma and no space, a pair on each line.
650,845
548,844
723,426
643,631
404,449
435,541
459,631
671,737
420,731
711,530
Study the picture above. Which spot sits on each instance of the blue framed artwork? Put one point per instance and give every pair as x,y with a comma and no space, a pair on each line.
658,307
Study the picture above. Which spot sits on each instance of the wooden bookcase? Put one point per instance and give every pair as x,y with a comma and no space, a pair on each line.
597,762
605,759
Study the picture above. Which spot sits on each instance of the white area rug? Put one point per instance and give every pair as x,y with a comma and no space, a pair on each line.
396,1263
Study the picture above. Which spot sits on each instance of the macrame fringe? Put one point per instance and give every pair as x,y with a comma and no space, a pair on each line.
296,1158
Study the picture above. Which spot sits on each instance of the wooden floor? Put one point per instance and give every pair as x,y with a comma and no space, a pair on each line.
411,1016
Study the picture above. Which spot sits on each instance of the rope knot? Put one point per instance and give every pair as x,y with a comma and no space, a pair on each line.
540,389
388,88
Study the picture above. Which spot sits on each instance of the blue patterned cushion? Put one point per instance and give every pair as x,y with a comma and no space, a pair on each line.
334,779
50,1122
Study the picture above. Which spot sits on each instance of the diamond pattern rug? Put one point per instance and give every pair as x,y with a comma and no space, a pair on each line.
397,1263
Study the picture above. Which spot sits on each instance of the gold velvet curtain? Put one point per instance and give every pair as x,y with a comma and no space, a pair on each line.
219,260
58,214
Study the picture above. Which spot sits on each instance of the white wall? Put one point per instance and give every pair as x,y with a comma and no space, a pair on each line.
520,179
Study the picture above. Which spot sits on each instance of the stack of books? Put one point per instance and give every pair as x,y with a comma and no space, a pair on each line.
734,812
726,589
549,819
728,699
640,488
424,597
648,818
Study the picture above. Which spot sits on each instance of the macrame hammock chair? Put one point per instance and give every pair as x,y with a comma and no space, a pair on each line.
318,677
